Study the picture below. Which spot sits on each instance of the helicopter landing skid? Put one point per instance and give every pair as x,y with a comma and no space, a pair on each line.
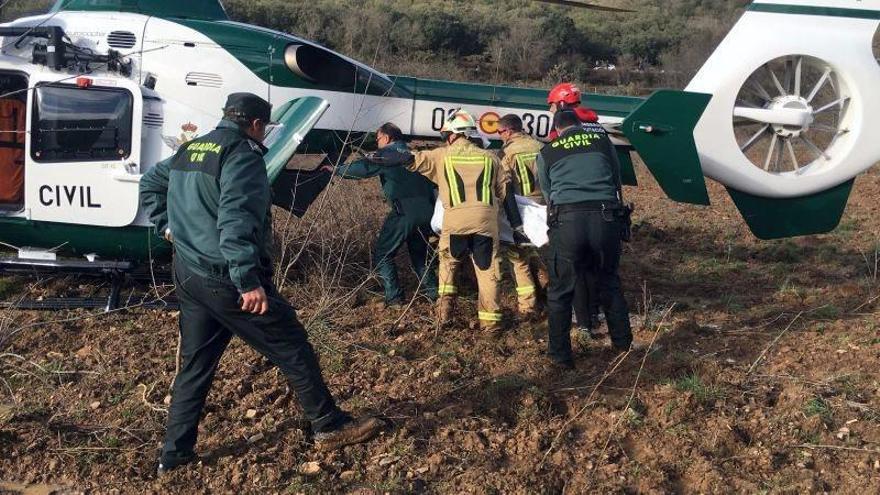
117,272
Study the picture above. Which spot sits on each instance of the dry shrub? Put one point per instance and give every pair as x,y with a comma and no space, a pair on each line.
324,258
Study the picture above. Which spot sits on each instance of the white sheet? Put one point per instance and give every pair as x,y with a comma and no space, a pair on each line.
533,214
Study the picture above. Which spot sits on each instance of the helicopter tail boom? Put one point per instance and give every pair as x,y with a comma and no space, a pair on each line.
662,131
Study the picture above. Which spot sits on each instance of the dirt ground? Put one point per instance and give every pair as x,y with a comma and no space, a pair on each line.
760,376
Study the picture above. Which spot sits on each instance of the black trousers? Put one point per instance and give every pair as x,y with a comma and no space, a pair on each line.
586,300
584,241
210,314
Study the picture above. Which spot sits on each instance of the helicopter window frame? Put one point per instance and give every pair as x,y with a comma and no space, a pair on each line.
123,118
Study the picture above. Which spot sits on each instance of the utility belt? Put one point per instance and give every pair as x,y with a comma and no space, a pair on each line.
589,206
218,273
610,210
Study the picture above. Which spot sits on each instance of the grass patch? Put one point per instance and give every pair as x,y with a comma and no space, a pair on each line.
633,418
10,286
818,406
790,287
785,251
827,312
847,227
706,394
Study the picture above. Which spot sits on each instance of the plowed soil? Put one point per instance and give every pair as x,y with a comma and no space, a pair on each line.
759,376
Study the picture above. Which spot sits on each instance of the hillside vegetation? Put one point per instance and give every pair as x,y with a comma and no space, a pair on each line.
518,41
514,41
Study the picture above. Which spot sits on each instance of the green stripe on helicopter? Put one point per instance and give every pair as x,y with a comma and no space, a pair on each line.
269,65
778,8
193,9
129,243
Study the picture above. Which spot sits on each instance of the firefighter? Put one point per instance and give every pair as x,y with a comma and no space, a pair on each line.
519,155
473,192
411,198
579,176
586,302
212,200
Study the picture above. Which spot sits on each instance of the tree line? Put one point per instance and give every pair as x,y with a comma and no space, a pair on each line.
513,41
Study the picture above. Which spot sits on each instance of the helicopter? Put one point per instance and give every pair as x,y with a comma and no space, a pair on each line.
95,92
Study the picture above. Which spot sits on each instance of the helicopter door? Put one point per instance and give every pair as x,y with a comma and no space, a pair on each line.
83,151
13,110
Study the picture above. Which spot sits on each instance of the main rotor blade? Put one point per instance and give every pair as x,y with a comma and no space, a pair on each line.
582,5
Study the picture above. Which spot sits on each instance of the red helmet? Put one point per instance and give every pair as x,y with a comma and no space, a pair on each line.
566,93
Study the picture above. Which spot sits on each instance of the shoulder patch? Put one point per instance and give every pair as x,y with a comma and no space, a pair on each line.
594,127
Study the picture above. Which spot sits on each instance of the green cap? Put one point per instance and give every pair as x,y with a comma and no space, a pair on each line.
249,106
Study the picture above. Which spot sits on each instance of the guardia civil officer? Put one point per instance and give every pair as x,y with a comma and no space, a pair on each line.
212,198
567,96
579,176
411,198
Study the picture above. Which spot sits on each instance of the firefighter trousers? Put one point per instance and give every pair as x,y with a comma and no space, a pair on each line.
522,259
482,251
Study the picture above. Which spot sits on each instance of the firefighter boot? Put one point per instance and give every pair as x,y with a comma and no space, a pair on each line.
445,311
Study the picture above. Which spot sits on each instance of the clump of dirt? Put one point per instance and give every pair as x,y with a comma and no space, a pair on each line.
760,376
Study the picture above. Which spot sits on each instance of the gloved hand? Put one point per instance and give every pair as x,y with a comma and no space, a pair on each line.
520,238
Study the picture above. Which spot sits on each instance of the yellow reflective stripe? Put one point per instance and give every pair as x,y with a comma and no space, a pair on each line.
489,316
522,160
524,180
485,187
447,290
487,181
467,159
525,291
454,195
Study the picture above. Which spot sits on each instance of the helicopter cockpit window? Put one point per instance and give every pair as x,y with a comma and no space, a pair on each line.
372,83
72,124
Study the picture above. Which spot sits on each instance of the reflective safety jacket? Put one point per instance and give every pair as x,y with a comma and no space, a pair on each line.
471,186
214,196
519,162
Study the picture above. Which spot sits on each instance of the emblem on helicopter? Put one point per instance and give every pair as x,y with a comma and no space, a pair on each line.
189,132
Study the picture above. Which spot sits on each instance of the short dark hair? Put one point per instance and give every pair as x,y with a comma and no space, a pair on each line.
511,121
565,118
238,118
245,108
392,131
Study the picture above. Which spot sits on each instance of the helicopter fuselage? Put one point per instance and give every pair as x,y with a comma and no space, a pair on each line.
181,71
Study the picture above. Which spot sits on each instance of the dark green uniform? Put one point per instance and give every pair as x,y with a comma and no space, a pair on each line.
578,172
411,198
213,195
